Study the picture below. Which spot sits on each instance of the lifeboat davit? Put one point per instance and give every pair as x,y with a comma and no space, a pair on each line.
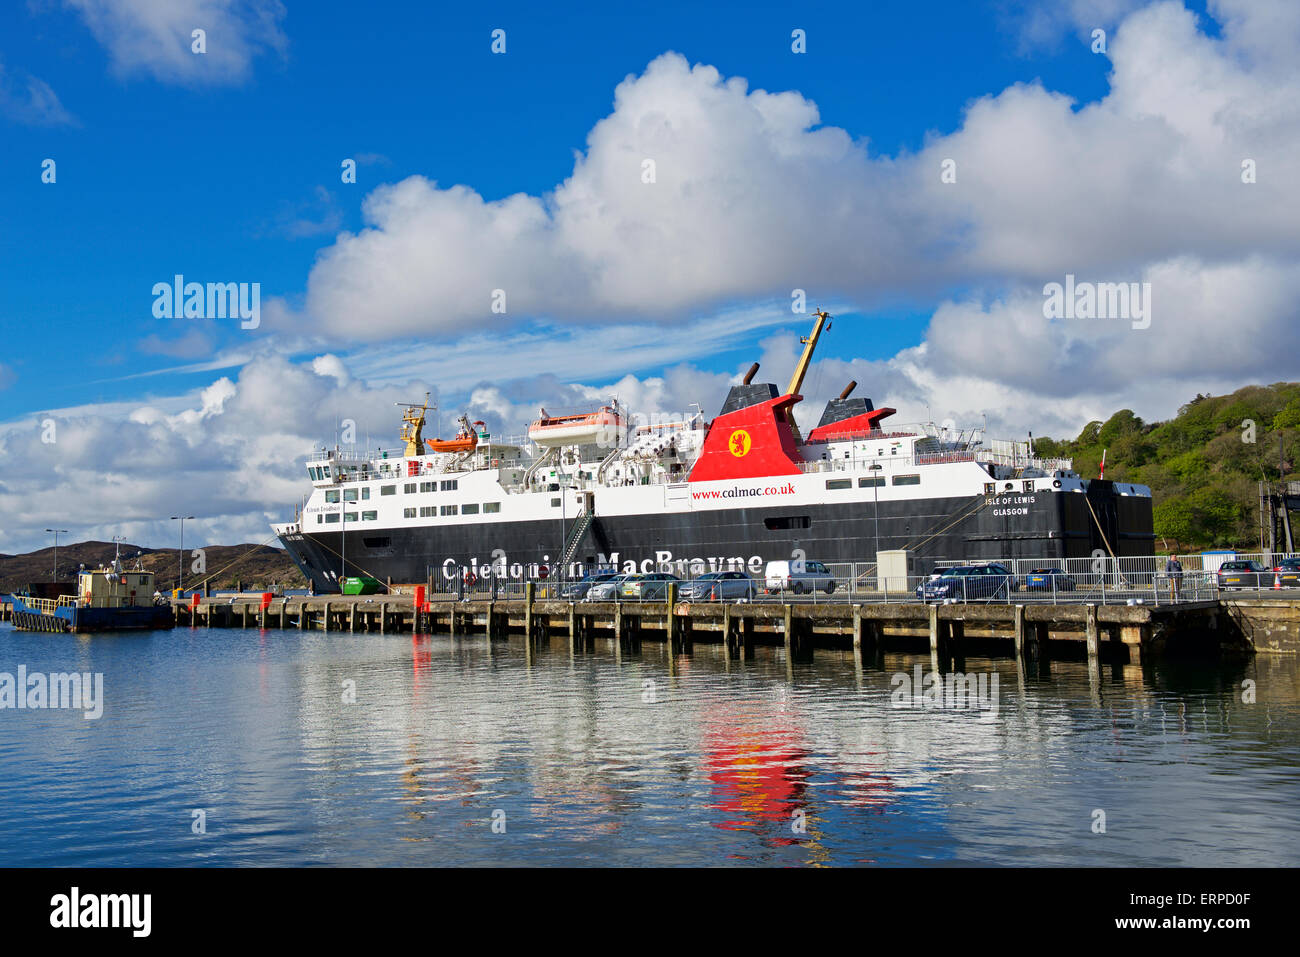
584,428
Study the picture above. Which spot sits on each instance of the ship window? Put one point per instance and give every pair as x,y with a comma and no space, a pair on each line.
989,488
326,471
449,510
428,511
377,541
874,482
555,503
491,507
469,509
388,490
319,519
365,492
349,495
449,485
1027,486
839,483
350,517
907,480
779,522
408,488
369,516
428,486
332,496
332,518
408,513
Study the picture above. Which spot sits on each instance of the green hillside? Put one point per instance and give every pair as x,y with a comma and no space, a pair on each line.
1202,466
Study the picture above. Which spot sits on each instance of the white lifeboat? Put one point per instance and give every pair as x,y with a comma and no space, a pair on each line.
583,428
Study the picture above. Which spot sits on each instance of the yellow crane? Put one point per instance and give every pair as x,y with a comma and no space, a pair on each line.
801,369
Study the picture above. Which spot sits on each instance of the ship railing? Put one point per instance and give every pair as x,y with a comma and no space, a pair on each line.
866,435
47,606
1016,461
943,458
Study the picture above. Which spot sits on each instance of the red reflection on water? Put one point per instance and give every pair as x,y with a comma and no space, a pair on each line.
756,766
421,662
759,769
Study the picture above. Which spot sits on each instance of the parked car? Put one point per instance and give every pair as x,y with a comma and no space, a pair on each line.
1049,579
716,586
606,590
1240,573
577,591
789,575
652,586
1287,572
987,582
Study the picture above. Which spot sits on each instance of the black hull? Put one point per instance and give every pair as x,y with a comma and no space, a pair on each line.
974,528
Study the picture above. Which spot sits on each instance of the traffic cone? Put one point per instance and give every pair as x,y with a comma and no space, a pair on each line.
1277,581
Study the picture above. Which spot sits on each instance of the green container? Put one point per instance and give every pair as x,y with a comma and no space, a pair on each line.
361,586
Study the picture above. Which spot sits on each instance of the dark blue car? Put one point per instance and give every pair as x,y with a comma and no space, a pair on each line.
987,582
1049,579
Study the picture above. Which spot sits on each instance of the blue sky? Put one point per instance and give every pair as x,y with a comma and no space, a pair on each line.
226,167
158,177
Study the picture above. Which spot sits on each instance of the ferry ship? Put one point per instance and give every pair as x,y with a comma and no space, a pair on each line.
602,489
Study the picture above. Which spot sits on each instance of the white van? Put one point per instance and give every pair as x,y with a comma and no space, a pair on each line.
789,575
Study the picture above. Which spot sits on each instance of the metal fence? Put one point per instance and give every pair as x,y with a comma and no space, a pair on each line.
1105,581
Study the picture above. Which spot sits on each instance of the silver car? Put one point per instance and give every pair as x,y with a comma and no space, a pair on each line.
717,586
606,590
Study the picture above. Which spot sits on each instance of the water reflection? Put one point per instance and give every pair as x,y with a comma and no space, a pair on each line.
587,755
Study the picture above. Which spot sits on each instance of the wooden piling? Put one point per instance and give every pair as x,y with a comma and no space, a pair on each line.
529,623
1093,640
670,620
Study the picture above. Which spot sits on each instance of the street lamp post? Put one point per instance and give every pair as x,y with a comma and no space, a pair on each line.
875,495
180,552
56,532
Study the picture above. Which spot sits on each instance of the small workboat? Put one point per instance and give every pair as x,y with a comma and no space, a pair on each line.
106,599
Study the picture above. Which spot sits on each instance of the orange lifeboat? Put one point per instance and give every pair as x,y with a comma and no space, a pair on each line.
582,428
466,440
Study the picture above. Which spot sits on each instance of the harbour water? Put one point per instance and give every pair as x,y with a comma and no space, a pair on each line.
460,752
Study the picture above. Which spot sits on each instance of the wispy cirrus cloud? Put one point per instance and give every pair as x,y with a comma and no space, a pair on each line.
155,37
29,100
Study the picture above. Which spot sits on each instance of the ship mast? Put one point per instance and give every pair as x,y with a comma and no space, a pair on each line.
413,426
801,369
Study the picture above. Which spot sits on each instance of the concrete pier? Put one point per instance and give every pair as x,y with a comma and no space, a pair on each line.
1031,633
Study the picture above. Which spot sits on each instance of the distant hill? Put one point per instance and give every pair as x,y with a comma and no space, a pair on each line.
1204,465
249,565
